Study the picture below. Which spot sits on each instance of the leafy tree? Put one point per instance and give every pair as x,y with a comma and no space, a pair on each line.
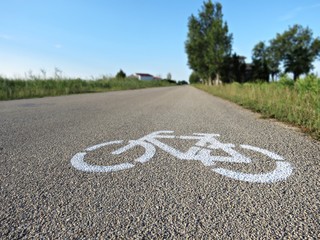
57,73
233,69
121,74
169,76
208,41
273,58
182,82
44,73
259,60
298,49
194,78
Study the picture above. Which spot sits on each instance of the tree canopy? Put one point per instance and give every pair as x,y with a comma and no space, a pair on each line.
259,60
208,41
121,74
295,48
233,69
194,78
298,49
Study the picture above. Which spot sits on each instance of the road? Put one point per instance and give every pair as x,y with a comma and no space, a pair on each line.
44,196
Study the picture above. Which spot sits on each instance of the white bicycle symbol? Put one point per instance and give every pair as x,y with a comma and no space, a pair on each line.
200,152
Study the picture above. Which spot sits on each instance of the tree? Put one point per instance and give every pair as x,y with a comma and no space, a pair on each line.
57,73
121,74
194,78
259,60
233,69
273,58
182,82
169,76
208,42
44,73
298,49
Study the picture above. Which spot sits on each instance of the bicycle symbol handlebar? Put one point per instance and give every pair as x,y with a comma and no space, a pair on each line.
201,151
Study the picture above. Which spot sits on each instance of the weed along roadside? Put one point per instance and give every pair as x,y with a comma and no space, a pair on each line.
20,88
296,102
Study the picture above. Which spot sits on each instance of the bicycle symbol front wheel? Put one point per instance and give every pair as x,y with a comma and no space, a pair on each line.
282,169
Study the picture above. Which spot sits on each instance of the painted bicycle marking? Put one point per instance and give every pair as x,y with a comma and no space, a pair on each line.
201,151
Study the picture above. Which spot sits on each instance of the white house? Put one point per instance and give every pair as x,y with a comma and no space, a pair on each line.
145,76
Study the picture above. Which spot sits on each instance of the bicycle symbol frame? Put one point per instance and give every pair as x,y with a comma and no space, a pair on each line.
201,151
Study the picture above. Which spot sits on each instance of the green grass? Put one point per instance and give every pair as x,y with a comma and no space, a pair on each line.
19,88
297,103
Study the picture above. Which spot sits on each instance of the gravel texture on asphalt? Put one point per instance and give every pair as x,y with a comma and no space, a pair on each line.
44,197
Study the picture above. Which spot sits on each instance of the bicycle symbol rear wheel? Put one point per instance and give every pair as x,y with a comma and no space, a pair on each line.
78,160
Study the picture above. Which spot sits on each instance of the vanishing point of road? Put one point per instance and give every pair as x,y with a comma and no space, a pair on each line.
44,196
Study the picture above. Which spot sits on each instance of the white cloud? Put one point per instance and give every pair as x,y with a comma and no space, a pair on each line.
315,5
57,46
290,15
294,12
6,37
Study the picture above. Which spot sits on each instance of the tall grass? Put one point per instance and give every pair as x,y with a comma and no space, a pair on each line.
20,88
294,102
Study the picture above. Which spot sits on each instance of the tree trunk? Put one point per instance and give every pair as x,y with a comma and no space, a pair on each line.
295,76
217,80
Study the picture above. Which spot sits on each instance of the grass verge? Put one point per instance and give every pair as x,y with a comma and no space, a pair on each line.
18,88
297,102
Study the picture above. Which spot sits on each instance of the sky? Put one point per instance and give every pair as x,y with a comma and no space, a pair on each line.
92,38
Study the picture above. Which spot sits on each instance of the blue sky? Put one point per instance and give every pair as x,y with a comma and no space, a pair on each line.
98,37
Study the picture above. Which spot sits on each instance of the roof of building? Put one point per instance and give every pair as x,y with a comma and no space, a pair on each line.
144,74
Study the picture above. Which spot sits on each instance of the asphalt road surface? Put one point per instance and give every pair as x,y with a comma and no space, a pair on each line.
153,191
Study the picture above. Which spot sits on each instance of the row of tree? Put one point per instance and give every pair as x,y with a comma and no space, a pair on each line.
209,50
295,49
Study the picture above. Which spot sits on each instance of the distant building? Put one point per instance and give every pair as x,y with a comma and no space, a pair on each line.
145,76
